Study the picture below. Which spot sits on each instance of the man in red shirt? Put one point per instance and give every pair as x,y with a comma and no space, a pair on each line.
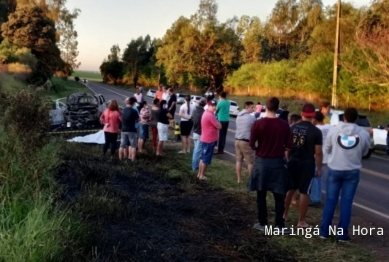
271,139
209,137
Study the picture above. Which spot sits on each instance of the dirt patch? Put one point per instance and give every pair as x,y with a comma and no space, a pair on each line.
135,212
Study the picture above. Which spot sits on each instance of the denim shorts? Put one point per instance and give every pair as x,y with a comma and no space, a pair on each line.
128,139
207,152
143,131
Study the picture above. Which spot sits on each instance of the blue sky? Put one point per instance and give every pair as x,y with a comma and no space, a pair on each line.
103,23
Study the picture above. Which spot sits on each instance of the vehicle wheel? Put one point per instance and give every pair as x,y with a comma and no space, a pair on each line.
368,154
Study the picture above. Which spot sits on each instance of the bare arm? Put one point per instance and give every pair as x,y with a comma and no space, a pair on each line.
319,158
171,107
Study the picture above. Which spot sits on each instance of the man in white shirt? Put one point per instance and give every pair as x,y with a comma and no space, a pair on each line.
138,96
165,95
316,186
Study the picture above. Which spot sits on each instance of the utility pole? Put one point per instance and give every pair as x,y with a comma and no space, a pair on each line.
336,55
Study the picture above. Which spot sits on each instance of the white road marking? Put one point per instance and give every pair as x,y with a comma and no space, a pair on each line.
380,157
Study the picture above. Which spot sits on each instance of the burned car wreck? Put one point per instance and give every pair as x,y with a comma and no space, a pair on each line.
82,111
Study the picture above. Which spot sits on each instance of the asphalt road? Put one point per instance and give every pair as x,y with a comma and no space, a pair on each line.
372,197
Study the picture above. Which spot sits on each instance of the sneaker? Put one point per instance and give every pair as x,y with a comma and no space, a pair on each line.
346,240
259,227
181,152
323,237
188,151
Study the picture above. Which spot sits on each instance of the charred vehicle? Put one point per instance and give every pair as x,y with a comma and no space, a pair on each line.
80,111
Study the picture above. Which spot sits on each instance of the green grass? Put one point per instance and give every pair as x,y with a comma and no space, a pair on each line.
91,76
9,84
63,88
30,228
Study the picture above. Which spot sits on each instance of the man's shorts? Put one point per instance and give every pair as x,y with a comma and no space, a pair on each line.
128,139
207,152
302,174
244,151
143,131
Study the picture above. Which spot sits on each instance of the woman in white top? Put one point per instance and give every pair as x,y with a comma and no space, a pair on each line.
186,124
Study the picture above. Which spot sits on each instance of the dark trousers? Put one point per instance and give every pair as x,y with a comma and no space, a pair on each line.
279,208
110,141
222,136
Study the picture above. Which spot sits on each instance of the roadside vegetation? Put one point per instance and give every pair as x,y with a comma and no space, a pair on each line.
32,226
289,55
89,75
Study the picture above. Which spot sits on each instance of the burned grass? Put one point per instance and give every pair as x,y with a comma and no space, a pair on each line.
156,210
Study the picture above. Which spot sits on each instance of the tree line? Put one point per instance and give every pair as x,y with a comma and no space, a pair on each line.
291,53
38,39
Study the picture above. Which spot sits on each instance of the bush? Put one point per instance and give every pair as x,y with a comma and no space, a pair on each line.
29,229
27,118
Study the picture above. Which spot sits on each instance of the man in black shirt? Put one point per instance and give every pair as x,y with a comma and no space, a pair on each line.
172,105
306,150
129,133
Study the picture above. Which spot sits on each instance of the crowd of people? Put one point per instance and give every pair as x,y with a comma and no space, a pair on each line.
285,154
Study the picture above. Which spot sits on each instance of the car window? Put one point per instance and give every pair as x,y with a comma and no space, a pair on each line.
234,104
180,95
362,121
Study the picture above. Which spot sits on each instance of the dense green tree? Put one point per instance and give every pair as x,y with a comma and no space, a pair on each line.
29,27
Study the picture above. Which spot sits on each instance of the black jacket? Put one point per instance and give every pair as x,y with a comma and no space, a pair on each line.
197,114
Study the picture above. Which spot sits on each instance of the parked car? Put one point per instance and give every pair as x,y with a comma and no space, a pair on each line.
379,137
180,98
151,93
85,81
234,108
194,100
363,121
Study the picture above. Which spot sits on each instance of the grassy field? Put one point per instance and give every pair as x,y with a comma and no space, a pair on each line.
91,76
156,209
62,88
8,83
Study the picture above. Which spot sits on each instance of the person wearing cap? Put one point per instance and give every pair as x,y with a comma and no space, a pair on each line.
270,138
208,138
345,145
197,149
244,122
306,156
